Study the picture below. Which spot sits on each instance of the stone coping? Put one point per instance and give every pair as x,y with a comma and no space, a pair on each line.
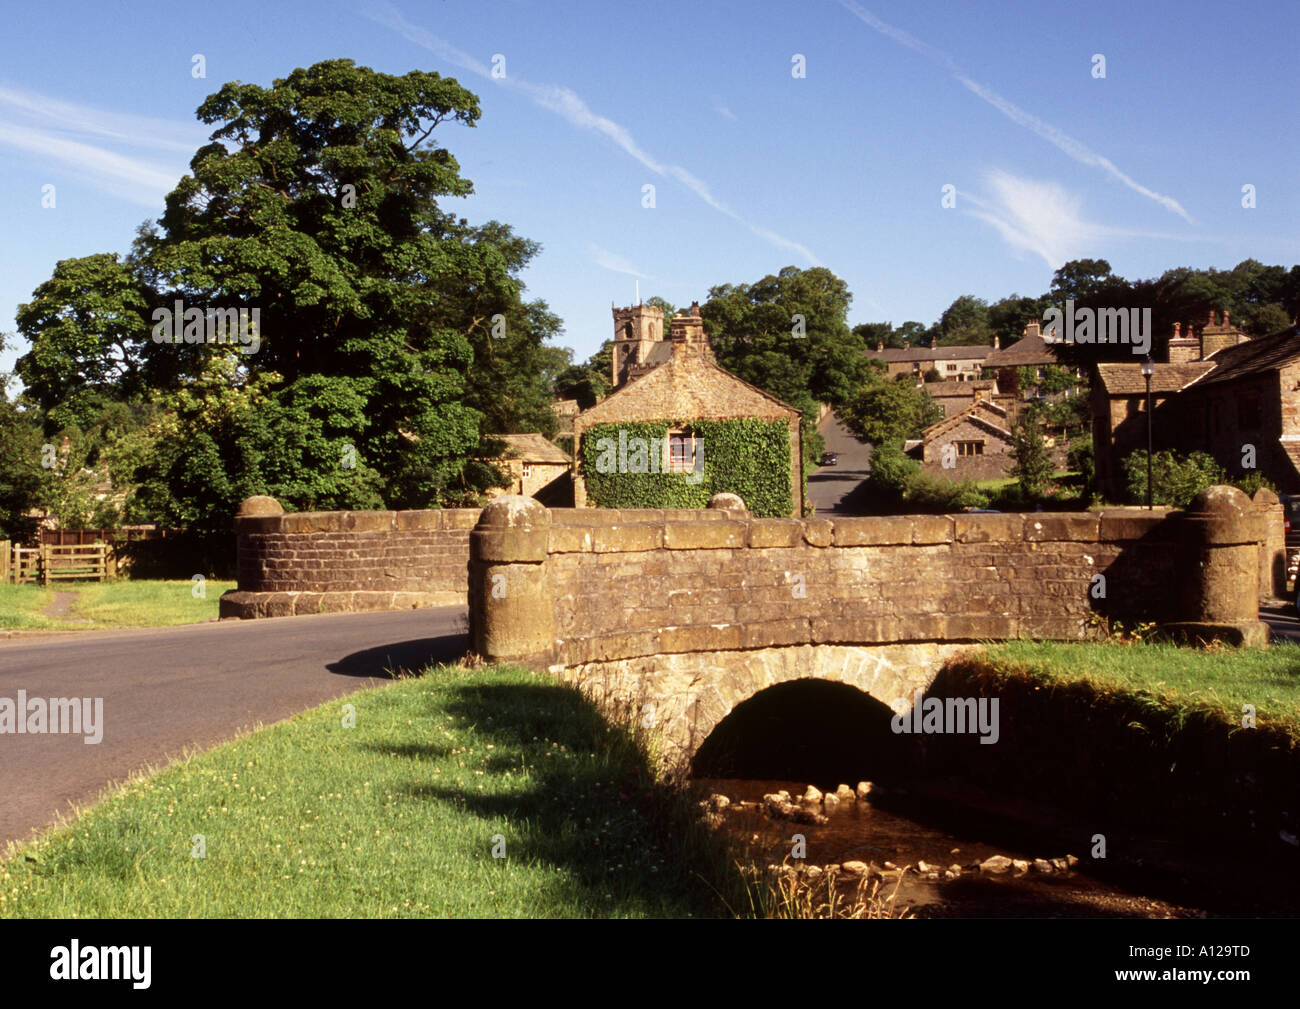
628,533
249,605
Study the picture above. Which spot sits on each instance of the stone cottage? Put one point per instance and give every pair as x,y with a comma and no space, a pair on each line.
1220,392
678,381
972,444
532,462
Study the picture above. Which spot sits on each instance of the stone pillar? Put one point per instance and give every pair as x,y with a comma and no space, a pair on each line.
1222,533
511,600
1272,550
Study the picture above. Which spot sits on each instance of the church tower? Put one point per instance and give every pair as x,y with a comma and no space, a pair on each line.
636,330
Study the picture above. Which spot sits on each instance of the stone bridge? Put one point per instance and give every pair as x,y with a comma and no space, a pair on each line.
684,614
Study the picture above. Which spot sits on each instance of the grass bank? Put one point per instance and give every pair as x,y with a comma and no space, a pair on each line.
1218,682
123,603
404,814
1175,741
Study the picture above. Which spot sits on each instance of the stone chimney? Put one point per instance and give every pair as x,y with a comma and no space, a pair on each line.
1216,337
1032,328
997,342
1183,349
880,346
688,328
907,343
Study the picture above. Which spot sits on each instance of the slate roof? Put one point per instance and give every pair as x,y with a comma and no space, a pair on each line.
1027,351
944,390
531,448
1127,379
1254,357
895,355
974,414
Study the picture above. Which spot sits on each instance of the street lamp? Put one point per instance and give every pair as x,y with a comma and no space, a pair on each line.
1147,370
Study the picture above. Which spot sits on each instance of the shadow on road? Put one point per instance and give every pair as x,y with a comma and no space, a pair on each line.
384,661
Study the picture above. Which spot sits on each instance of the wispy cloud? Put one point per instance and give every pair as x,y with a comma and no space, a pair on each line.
150,155
720,107
1073,148
1046,219
1034,216
613,261
567,104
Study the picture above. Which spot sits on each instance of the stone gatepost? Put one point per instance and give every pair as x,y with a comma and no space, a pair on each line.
1272,551
1221,536
511,600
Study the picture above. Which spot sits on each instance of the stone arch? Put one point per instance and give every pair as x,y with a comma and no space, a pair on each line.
685,696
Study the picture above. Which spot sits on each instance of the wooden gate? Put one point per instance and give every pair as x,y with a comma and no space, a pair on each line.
79,562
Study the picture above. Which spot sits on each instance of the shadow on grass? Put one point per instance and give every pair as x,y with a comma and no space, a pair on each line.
624,843
401,657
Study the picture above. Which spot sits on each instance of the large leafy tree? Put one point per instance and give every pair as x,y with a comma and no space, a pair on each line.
87,327
888,412
788,334
965,323
390,334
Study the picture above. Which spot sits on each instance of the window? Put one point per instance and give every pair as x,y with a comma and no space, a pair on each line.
528,470
965,448
681,451
950,367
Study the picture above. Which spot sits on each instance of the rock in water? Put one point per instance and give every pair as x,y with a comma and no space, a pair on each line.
864,789
830,802
844,793
996,864
811,795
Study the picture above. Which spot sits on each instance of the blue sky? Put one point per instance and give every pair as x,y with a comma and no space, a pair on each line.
754,168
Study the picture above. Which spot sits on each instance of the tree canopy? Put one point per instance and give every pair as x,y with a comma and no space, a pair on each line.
390,334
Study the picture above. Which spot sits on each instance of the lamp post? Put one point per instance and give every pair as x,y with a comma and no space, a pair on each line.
1147,370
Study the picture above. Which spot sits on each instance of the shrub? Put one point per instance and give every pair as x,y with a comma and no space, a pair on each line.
1175,479
1253,482
927,492
1082,460
891,469
1033,468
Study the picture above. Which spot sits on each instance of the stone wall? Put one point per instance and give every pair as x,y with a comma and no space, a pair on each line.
333,562
338,562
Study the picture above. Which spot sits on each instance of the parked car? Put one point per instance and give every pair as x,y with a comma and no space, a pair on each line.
830,459
1291,520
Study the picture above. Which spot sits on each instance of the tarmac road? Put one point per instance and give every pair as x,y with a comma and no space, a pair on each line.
169,689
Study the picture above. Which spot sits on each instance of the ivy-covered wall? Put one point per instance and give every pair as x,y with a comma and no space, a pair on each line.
744,456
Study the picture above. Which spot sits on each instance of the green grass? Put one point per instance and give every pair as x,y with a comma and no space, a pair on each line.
123,603
394,817
1001,483
1220,680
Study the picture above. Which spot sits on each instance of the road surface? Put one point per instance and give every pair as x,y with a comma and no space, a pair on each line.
829,485
171,688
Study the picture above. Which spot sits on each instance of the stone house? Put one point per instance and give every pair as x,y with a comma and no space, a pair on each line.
677,380
972,444
532,462
1032,350
1220,392
955,364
